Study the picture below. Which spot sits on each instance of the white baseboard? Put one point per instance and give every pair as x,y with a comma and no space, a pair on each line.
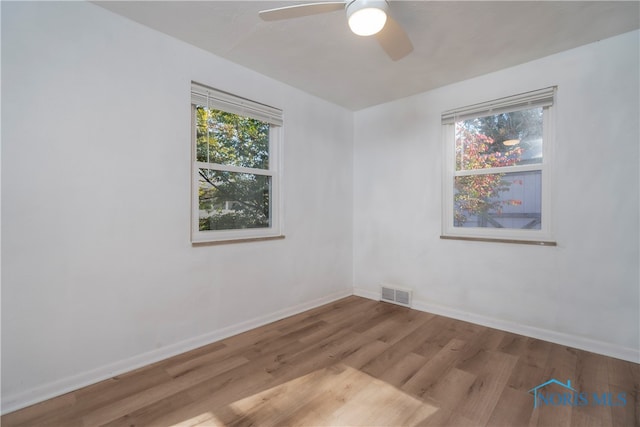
13,402
582,343
366,293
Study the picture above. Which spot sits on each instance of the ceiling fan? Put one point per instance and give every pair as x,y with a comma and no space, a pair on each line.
365,18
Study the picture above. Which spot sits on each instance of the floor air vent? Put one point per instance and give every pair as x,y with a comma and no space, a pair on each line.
396,295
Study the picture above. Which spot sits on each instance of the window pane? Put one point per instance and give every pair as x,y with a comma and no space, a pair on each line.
229,200
500,140
230,139
511,200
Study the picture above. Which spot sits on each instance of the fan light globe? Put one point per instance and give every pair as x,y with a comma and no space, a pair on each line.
367,17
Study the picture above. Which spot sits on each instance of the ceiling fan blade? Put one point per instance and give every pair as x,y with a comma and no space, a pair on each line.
394,40
300,10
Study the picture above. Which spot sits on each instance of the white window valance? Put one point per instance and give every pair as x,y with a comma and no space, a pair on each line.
524,101
219,100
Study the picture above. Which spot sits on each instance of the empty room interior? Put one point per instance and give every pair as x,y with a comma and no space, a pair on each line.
261,213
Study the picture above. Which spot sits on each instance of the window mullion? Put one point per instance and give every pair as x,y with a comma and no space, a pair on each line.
231,168
503,169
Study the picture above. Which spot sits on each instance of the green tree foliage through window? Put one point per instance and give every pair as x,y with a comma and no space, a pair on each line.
524,125
231,199
229,139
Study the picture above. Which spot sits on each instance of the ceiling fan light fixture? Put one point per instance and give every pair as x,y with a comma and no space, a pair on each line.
367,17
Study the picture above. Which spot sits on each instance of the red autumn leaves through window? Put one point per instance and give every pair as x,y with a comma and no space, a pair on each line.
479,194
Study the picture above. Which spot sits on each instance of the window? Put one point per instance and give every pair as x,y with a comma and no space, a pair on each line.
235,167
497,176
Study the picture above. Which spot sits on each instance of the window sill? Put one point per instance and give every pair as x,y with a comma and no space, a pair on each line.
495,240
239,240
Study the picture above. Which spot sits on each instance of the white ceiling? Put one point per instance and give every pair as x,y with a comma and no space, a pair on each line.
453,40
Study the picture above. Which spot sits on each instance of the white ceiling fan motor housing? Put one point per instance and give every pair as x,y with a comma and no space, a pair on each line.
367,17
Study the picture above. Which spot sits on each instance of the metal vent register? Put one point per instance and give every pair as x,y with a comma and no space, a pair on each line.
396,295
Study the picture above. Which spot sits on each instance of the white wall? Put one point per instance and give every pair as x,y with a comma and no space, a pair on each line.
98,275
583,292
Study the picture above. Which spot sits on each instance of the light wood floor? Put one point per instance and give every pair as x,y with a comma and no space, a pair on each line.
353,362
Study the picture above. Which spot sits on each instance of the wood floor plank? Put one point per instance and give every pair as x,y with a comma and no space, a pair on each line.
153,394
592,375
492,370
213,396
347,321
329,312
347,317
514,408
624,378
101,394
324,395
442,330
273,344
145,414
353,362
39,413
629,414
562,368
447,418
435,369
273,406
381,404
452,389
330,352
249,338
513,344
205,350
379,314
398,326
365,354
200,361
391,357
397,375
431,340
531,368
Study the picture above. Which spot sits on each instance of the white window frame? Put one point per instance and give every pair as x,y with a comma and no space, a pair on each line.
544,98
219,100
